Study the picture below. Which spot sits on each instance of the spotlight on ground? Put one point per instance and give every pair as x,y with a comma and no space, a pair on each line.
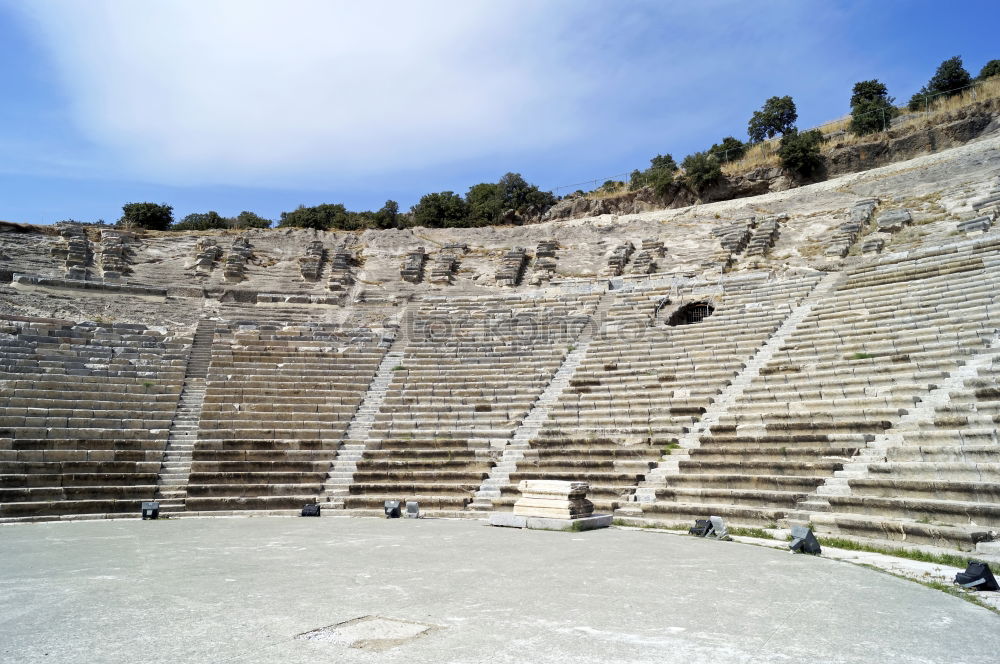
412,509
150,510
977,576
392,509
719,528
803,540
310,510
701,527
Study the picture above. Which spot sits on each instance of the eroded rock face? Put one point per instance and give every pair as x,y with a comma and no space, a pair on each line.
632,202
176,278
905,143
961,127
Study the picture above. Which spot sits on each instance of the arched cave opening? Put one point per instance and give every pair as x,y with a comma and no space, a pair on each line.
691,313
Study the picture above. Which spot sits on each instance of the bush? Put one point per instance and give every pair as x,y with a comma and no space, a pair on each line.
487,200
799,152
919,100
701,170
777,116
872,108
211,220
730,149
659,175
948,80
661,183
247,219
445,209
990,69
200,221
324,217
388,216
147,215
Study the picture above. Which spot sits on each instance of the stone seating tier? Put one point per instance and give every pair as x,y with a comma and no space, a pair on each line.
85,414
277,405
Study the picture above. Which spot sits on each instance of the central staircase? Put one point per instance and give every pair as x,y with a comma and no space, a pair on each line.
356,439
171,485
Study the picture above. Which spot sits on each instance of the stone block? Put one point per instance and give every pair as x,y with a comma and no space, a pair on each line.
894,220
508,520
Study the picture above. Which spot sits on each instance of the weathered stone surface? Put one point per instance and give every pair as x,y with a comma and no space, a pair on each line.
892,221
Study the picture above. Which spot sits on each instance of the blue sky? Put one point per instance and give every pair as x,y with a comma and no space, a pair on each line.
234,105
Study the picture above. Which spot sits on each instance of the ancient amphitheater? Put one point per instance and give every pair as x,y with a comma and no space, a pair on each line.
827,355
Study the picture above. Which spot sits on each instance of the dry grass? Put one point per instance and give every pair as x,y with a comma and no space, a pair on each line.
761,155
610,192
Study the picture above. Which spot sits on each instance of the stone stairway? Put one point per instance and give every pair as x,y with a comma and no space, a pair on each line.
670,463
355,442
171,485
519,445
875,451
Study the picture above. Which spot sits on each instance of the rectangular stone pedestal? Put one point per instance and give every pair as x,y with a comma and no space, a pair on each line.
510,520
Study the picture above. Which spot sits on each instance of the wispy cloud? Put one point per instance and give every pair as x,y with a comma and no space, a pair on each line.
238,89
324,94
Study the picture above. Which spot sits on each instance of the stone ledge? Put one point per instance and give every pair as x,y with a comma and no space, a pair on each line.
510,520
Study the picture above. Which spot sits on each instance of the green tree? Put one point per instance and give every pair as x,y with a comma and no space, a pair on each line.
919,100
662,179
152,216
323,217
388,216
949,77
200,221
701,170
485,202
872,109
659,175
948,80
445,209
247,219
730,149
777,116
519,195
990,69
800,152
663,162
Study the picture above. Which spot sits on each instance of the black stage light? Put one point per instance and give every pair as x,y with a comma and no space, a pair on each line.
701,527
310,510
412,509
150,510
977,576
719,528
392,509
803,540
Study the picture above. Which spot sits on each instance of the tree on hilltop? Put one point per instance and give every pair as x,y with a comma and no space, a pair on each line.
152,216
777,116
388,216
872,108
444,209
701,170
659,175
247,219
323,217
730,149
948,80
990,69
800,152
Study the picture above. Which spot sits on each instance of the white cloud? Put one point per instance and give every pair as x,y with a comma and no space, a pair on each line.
239,91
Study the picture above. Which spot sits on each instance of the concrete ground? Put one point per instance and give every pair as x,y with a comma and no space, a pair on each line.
244,590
